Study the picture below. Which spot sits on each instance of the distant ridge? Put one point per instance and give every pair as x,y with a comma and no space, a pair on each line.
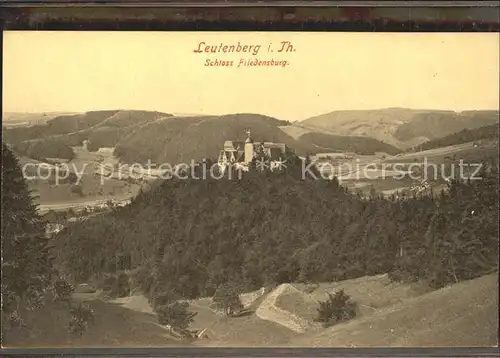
464,136
180,114
400,127
139,136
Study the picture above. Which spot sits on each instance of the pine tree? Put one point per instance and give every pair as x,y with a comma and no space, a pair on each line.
338,308
175,314
226,298
26,262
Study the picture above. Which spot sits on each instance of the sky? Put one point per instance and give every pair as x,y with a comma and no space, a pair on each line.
81,71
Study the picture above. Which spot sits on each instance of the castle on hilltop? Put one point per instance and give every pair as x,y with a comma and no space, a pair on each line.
241,153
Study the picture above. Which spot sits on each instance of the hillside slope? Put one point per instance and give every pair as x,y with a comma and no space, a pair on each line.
371,293
102,128
22,119
63,124
219,330
113,326
464,136
175,139
182,139
401,127
461,315
336,143
437,125
390,315
269,311
244,331
485,151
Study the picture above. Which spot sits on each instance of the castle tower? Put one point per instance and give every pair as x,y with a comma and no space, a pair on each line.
248,148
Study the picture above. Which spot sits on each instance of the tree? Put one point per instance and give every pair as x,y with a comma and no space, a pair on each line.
373,192
226,298
82,316
26,263
338,308
116,285
175,314
62,290
291,159
160,299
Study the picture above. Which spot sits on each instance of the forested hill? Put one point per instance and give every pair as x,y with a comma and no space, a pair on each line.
464,136
177,140
190,236
357,144
55,137
139,136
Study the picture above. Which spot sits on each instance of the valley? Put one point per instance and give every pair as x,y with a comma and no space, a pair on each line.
337,141
92,185
145,244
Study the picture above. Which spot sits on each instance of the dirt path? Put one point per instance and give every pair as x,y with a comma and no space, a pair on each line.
268,310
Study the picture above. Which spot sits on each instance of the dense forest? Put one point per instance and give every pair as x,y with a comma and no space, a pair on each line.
188,237
43,149
464,136
338,143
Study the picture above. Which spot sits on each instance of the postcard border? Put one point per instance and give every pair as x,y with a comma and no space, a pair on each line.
260,352
23,16
236,16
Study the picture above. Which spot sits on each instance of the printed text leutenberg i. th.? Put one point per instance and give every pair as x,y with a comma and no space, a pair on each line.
249,49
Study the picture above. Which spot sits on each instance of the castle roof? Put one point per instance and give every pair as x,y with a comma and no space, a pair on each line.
233,145
249,137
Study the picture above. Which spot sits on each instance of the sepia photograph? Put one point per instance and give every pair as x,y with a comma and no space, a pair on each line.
250,189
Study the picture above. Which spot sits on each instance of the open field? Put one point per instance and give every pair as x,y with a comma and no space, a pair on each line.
465,151
295,130
96,187
362,167
385,173
75,205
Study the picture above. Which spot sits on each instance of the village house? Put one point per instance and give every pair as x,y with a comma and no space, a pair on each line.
241,153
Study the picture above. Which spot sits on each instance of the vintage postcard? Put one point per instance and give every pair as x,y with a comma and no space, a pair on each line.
250,189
